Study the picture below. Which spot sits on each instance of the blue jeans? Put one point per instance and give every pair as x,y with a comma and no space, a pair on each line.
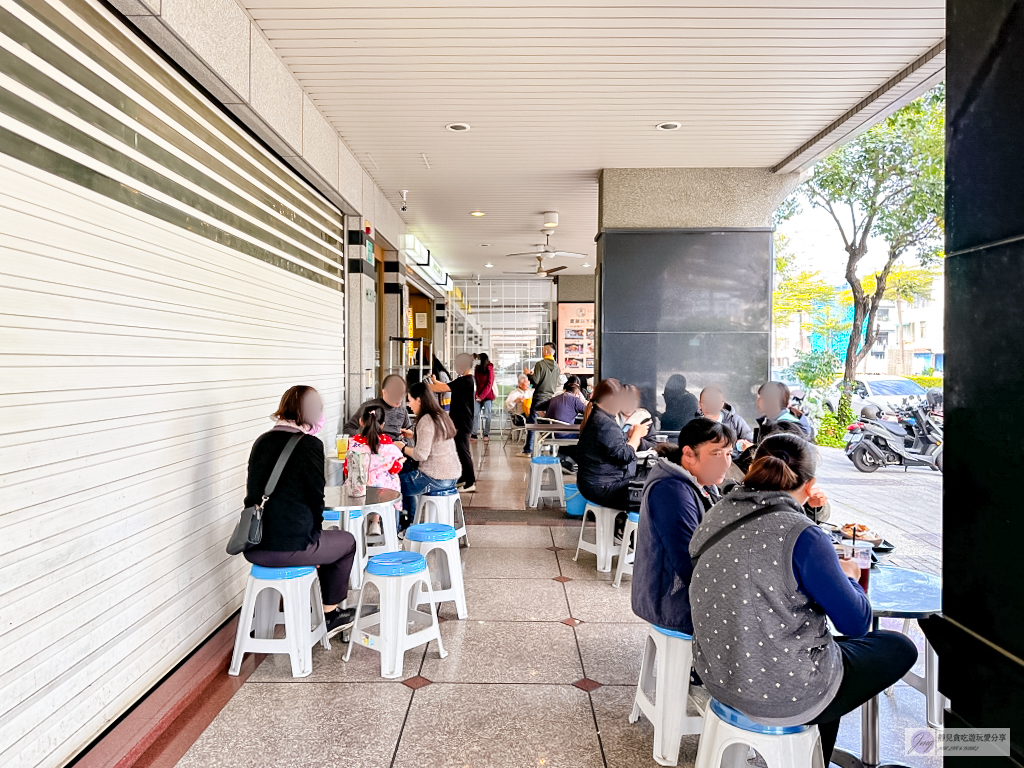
415,483
484,408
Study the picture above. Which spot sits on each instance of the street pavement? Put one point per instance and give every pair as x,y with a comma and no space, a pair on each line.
903,507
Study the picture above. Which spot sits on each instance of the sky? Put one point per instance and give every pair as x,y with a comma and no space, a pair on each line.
814,238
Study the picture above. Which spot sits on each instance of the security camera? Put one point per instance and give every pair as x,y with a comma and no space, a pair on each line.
404,207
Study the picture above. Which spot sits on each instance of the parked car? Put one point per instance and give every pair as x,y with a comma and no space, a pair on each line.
785,375
886,392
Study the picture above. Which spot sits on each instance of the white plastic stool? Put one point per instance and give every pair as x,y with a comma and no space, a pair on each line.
536,492
303,617
627,550
604,535
665,674
398,577
791,746
447,569
444,507
928,684
387,541
355,523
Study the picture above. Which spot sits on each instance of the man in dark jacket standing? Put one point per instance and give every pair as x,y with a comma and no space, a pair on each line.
675,498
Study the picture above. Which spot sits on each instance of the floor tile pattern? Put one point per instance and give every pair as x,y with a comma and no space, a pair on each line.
542,673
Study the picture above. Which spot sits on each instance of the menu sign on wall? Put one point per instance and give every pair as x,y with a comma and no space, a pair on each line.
576,338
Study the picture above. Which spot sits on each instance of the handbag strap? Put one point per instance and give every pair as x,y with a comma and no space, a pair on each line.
279,467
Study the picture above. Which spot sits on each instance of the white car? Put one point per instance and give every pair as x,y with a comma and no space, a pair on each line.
886,392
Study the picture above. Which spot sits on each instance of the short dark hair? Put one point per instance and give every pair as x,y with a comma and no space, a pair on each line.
698,431
549,345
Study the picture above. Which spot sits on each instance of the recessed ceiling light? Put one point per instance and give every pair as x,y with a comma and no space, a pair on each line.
485,245
488,265
478,214
457,127
671,125
585,266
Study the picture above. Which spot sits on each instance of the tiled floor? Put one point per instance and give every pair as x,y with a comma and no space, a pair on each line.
503,698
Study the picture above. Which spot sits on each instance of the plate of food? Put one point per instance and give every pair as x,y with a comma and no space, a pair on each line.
863,533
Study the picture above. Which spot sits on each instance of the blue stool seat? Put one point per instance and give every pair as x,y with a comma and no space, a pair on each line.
294,572
429,532
744,723
332,516
545,460
443,492
633,517
673,633
396,564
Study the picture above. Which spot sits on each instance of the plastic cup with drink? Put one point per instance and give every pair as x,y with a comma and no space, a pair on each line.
860,553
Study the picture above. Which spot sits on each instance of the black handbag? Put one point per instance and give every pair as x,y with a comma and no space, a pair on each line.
638,481
249,530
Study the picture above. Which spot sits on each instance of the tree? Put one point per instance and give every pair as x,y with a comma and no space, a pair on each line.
907,284
797,292
816,370
887,182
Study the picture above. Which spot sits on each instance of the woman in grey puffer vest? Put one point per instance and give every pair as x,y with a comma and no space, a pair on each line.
764,580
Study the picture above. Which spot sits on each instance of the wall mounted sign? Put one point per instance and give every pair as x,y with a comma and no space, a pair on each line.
576,338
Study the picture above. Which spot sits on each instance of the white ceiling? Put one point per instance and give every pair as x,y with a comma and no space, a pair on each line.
555,92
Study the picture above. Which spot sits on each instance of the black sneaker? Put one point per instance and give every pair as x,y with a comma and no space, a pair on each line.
339,620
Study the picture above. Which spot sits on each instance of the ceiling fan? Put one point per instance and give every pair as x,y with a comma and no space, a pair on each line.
544,251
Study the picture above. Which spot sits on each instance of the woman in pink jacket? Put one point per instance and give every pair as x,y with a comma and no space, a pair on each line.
484,375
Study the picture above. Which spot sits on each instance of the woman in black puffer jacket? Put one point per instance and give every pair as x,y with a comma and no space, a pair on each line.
606,456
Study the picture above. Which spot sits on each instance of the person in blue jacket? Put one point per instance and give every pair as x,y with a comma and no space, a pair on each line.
679,490
773,403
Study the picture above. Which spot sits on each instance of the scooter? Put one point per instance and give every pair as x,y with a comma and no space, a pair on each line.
914,440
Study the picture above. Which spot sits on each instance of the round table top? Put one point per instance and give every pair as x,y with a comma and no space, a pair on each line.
336,497
903,593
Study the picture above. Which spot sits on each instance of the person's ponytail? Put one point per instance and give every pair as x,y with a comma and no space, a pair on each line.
371,428
770,473
783,462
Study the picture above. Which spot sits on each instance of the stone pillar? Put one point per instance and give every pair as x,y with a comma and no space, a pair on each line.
684,279
982,669
396,299
361,333
442,346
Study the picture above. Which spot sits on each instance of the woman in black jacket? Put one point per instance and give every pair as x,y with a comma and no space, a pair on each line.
293,516
606,456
